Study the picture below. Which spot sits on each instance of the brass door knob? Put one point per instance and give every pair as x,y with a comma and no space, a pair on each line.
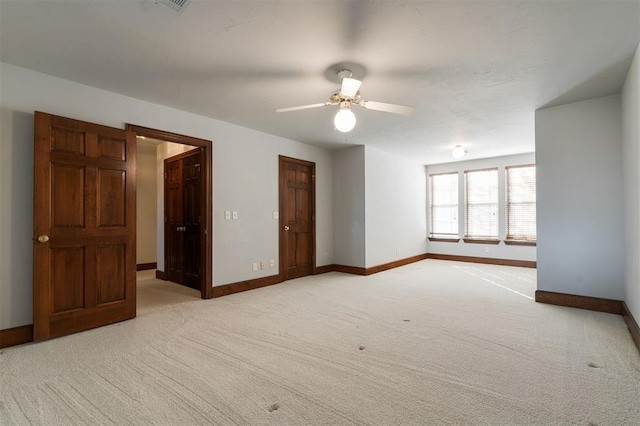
286,228
43,238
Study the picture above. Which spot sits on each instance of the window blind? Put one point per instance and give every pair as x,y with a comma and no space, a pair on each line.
443,205
521,203
481,204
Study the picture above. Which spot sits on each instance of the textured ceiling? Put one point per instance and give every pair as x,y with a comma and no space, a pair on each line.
475,71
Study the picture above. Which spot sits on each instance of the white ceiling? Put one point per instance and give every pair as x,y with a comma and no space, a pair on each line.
475,71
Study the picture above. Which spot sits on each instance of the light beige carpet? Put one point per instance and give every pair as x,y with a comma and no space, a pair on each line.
434,342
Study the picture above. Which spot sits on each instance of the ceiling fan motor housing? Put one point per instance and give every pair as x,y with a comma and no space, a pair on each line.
337,98
345,74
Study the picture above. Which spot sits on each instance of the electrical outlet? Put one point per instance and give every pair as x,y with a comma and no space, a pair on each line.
227,215
397,251
235,215
272,263
276,215
263,265
255,266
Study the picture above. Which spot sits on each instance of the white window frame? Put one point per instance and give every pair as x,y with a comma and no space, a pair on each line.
520,236
453,206
481,200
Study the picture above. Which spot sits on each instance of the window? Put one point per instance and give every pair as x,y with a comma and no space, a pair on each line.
521,204
481,206
443,206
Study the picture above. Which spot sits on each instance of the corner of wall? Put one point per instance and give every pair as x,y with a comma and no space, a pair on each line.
631,184
579,198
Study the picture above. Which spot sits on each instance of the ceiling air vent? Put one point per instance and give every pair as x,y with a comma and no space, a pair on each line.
177,5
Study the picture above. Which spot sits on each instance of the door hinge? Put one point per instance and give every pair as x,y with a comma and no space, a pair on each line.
313,177
165,176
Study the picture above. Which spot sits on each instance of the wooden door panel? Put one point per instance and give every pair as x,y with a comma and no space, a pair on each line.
302,249
290,209
111,266
290,260
84,210
191,205
303,207
174,205
67,196
67,279
110,148
112,198
304,176
290,174
175,258
192,269
67,140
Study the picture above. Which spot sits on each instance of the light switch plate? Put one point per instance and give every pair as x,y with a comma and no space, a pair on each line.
235,215
276,215
227,215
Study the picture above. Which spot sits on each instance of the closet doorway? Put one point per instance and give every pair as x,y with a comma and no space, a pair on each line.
187,255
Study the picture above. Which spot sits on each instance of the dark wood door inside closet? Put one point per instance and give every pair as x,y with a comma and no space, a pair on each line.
183,218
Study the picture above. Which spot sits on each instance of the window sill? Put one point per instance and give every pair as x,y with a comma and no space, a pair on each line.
445,240
520,243
481,241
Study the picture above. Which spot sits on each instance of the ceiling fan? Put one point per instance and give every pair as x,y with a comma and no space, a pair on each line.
345,119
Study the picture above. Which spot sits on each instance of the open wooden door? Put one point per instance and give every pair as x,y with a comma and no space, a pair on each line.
84,226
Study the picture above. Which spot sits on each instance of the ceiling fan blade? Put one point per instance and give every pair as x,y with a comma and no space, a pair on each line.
350,87
381,106
296,108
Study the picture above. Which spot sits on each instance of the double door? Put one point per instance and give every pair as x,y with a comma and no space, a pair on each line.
183,195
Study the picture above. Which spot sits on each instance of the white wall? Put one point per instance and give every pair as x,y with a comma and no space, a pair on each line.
245,179
580,198
349,207
395,207
500,251
146,240
631,168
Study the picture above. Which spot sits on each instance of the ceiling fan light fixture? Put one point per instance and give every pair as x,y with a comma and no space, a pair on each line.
458,152
345,119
